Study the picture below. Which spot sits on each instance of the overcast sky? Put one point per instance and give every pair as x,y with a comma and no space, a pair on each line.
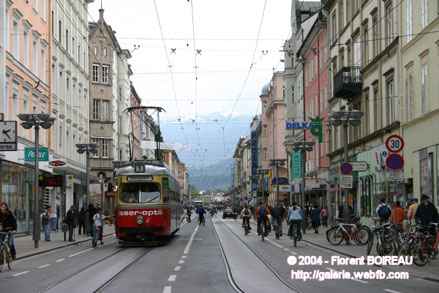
223,63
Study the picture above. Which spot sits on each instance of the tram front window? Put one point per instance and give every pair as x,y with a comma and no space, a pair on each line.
140,193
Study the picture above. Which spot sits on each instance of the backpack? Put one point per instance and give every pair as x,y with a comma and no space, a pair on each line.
384,212
45,219
262,212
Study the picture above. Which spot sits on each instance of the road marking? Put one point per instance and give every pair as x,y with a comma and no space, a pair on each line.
60,260
172,278
292,252
81,252
19,274
184,256
180,262
360,281
177,268
274,243
167,289
391,291
44,266
188,245
286,249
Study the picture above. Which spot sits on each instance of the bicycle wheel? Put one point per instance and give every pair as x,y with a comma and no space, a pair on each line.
370,242
335,236
361,236
5,258
420,258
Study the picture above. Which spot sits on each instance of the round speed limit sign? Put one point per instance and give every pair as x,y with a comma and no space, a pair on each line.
394,143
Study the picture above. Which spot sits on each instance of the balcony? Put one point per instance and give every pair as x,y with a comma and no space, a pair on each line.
348,83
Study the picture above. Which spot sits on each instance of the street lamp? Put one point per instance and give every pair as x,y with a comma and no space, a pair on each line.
87,148
36,121
345,119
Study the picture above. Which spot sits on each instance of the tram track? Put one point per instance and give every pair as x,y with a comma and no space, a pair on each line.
253,251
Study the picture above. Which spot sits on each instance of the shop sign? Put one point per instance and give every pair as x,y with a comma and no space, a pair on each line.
359,166
52,181
346,181
29,154
297,165
315,126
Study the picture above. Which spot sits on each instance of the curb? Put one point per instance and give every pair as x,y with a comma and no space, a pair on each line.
436,280
68,244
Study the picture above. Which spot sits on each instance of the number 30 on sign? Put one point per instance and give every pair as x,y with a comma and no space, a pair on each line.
394,143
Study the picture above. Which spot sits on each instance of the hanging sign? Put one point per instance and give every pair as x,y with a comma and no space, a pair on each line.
315,126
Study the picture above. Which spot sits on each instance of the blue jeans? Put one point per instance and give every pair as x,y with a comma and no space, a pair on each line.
47,232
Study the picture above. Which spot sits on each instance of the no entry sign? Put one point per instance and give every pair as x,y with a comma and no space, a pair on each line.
394,143
395,162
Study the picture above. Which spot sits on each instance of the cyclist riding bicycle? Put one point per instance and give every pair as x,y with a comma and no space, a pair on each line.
295,219
262,219
201,212
8,224
245,215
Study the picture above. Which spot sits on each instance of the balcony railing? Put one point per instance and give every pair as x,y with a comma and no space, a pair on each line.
348,82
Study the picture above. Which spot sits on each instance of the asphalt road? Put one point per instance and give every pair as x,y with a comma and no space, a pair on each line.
216,257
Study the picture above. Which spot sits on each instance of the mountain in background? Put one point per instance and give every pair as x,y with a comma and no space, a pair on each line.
213,177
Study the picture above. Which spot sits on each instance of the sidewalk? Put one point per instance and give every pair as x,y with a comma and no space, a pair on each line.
25,245
428,272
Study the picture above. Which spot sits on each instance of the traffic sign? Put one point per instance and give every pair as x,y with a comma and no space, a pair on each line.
57,163
395,162
29,154
394,143
346,168
359,166
346,181
8,135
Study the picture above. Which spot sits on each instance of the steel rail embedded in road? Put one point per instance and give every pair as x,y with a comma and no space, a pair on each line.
264,261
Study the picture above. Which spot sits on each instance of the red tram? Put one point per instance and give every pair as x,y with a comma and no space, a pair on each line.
148,205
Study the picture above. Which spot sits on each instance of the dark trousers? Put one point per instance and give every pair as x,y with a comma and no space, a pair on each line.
81,228
71,228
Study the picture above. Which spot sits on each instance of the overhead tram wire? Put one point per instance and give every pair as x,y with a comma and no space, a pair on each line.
244,84
171,74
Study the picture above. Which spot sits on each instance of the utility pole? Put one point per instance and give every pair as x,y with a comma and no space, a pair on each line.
87,148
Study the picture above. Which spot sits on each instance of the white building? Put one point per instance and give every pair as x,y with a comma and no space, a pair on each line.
70,95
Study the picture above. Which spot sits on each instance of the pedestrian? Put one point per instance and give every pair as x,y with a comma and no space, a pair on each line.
45,222
81,221
261,217
91,212
412,211
276,218
53,219
70,222
383,211
426,212
98,227
315,218
8,224
324,216
397,215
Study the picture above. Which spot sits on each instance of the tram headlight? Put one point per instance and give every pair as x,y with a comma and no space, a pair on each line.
139,220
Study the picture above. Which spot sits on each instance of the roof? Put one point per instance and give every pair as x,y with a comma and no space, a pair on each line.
265,90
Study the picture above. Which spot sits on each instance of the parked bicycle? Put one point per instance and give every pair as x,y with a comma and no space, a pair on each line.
5,251
419,243
385,239
354,231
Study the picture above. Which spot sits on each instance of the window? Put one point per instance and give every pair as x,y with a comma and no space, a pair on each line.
409,19
366,116
43,65
365,43
389,23
390,101
95,73
341,14
15,98
67,41
424,13
375,33
98,147
79,54
140,193
409,94
60,31
424,88
26,50
26,101
105,73
105,109
35,55
105,148
60,136
15,40
105,53
53,22
356,51
377,108
96,109
333,26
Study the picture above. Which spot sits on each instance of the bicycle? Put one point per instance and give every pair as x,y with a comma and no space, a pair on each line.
386,240
348,231
5,251
201,220
295,231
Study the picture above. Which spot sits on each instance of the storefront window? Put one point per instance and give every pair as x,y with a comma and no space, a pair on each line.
16,182
426,172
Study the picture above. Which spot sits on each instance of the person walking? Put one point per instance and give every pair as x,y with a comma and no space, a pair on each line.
70,221
261,218
383,211
89,220
315,218
45,222
53,219
397,215
8,224
412,211
81,222
324,216
98,227
276,218
426,213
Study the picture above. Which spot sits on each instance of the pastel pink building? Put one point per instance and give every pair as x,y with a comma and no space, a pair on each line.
316,84
273,134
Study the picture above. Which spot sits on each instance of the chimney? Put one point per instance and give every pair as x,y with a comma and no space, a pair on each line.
101,14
